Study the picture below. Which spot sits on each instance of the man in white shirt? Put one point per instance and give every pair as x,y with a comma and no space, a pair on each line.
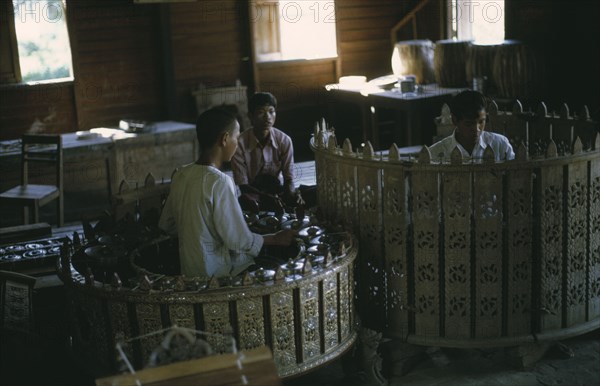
469,116
202,207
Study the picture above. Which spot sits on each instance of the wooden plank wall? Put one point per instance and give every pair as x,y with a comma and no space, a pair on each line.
48,108
210,45
117,61
364,32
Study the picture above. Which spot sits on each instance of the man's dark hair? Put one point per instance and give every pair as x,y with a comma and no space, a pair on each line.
467,104
213,123
261,99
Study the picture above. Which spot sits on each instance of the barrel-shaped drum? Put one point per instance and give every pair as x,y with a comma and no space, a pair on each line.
414,57
450,62
480,64
515,70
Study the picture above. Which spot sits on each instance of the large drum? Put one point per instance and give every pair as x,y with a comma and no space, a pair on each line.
450,62
480,63
414,57
515,70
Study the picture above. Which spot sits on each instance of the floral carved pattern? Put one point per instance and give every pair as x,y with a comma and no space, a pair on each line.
577,229
457,274
595,288
488,274
520,271
424,240
596,190
457,240
283,328
394,203
488,240
521,237
595,260
424,205
457,205
251,325
368,200
396,267
521,202
552,199
577,262
425,304
371,231
393,236
552,300
518,303
552,234
426,272
348,195
488,205
552,267
577,195
458,306
488,306
576,294
330,189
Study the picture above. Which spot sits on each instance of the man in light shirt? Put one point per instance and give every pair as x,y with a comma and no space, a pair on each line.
202,207
469,136
263,165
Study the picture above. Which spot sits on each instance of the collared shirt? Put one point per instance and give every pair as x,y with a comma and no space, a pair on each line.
275,158
499,144
202,209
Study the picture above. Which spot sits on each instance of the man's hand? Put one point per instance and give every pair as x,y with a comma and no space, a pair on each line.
272,203
283,238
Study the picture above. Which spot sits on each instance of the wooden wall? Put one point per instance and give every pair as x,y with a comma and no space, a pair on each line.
117,61
48,108
144,60
364,28
210,45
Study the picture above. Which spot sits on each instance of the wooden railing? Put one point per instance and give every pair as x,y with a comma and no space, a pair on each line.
473,252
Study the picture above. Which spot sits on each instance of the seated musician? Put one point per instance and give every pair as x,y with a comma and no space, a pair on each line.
202,207
469,116
263,165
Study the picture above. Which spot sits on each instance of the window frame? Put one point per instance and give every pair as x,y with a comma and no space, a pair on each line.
14,77
276,39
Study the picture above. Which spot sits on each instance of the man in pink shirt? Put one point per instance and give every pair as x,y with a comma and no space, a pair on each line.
263,165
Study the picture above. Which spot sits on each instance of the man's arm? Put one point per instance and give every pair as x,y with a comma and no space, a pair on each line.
239,168
287,165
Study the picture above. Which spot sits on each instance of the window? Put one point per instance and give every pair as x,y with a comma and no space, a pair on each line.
286,30
481,21
43,40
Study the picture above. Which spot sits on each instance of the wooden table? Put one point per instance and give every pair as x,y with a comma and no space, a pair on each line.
96,163
413,112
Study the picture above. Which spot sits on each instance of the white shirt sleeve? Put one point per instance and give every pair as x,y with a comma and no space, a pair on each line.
229,221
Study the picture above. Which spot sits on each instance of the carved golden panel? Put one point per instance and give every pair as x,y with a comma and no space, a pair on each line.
282,326
250,323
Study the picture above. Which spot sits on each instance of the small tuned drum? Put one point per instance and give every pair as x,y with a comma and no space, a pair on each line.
480,63
414,57
301,307
514,70
450,62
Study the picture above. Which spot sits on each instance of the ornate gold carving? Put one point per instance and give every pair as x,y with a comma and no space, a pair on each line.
251,323
282,326
309,321
149,320
216,321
